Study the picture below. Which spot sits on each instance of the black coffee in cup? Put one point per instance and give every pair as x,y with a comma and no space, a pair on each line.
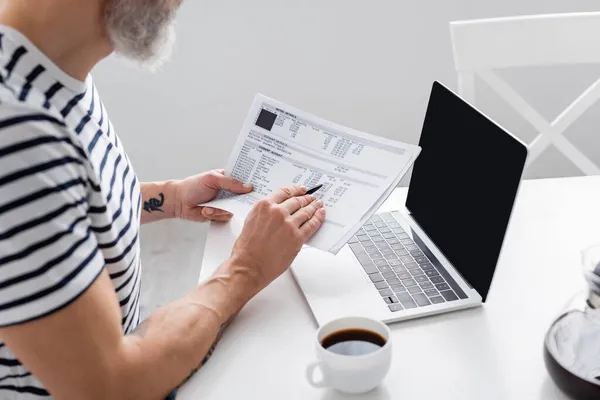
353,342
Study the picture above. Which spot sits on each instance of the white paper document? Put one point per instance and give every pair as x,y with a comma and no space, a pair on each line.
282,146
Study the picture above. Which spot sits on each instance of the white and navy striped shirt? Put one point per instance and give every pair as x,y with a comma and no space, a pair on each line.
69,200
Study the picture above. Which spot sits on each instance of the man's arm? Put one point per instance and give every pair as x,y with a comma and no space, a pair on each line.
83,353
80,352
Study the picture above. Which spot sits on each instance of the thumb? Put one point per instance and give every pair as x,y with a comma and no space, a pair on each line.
231,184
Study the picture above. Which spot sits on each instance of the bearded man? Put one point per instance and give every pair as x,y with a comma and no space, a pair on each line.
71,208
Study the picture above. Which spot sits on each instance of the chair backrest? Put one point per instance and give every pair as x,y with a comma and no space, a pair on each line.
480,46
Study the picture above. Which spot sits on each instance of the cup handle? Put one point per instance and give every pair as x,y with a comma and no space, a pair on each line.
310,375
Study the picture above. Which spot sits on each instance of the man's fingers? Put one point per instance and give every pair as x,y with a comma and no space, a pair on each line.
210,213
282,194
306,213
221,218
310,227
295,203
230,184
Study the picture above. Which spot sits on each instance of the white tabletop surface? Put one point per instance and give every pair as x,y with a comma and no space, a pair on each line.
491,352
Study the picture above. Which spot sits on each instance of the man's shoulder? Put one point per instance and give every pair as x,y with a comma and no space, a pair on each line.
28,124
12,105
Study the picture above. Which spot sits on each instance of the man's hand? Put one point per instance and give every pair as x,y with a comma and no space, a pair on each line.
274,233
202,188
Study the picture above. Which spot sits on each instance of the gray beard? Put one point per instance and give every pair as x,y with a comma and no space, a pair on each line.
141,31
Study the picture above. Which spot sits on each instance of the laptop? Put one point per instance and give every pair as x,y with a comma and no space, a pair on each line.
439,252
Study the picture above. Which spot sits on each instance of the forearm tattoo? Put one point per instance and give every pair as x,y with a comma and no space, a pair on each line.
142,329
154,204
212,347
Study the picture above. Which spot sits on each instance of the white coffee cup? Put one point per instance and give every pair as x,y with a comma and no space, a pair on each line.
351,373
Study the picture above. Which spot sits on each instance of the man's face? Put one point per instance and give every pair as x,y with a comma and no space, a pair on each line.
142,30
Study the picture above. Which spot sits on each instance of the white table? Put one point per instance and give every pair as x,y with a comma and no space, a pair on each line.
491,352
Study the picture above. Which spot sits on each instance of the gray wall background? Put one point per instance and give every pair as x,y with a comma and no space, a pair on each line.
365,64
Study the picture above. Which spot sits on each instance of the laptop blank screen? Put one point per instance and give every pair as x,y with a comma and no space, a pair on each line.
464,184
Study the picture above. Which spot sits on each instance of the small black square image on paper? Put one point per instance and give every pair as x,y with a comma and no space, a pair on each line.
266,119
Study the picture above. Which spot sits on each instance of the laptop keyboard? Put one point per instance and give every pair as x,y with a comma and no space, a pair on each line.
400,271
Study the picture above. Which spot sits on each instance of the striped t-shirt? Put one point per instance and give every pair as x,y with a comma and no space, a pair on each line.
69,200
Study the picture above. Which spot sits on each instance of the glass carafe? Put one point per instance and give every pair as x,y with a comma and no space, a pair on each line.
572,345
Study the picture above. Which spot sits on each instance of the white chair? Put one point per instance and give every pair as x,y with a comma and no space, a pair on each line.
480,46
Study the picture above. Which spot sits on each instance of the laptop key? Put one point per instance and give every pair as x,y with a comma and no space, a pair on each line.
421,299
368,244
405,296
442,286
397,246
376,256
355,247
449,295
363,258
388,235
399,268
403,236
437,279
369,268
409,304
421,279
426,267
431,272
369,228
398,288
383,263
398,231
389,274
406,259
409,282
417,273
401,252
395,307
414,289
372,250
377,238
421,260
431,292
404,275
393,281
363,238
373,233
426,285
385,230
386,292
376,277
393,241
411,247
393,224
382,245
436,299
390,257
381,285
395,262
411,265
416,253
380,224
384,268
393,299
